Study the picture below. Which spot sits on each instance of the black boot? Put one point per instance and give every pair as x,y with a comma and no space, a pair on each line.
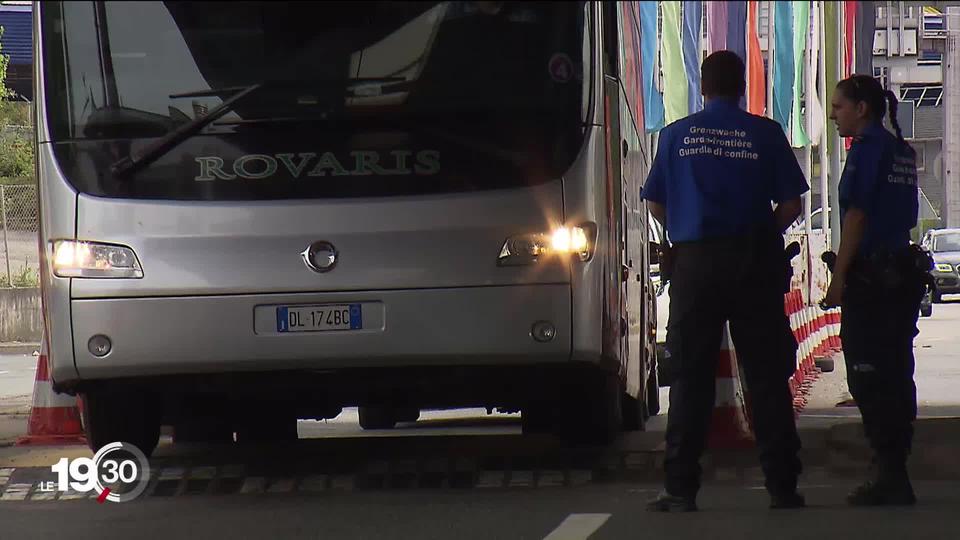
786,500
666,502
890,487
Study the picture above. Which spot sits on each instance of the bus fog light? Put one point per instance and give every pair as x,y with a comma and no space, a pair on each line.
543,331
94,260
99,346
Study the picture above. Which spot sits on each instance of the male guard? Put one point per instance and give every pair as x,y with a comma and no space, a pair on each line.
714,182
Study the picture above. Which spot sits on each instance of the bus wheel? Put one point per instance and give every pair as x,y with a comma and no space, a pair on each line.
653,391
267,428
121,417
597,413
537,418
636,411
377,417
407,414
206,430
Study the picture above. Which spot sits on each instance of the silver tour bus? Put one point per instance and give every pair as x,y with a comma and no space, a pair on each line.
258,212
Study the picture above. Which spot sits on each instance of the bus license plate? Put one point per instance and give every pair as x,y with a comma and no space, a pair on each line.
319,318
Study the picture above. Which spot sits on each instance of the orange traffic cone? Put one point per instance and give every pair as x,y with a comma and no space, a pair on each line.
730,428
54,418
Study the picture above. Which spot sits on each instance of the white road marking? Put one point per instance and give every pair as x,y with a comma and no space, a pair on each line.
578,527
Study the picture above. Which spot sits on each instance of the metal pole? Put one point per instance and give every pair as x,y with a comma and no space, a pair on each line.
770,49
951,104
901,41
889,27
6,246
807,166
824,161
838,146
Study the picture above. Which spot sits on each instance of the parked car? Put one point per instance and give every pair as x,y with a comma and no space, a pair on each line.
944,245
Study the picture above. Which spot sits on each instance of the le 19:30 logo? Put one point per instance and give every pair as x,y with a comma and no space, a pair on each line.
118,472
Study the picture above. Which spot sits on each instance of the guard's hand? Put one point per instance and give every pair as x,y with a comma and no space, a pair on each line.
834,295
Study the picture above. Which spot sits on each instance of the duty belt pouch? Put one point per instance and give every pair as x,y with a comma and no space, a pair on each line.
667,262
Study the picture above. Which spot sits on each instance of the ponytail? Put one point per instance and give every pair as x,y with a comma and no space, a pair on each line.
892,101
866,89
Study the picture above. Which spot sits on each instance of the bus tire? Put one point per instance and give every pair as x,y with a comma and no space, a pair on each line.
407,414
206,430
653,391
133,418
597,416
267,427
377,417
537,418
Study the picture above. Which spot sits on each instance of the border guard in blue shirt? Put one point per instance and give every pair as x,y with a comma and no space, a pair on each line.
727,185
879,279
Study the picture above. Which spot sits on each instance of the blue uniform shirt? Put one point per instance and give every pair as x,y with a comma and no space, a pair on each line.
880,178
717,172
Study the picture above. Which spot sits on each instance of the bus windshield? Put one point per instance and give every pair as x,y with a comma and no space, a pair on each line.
352,99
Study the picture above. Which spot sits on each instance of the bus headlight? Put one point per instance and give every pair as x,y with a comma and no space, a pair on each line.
530,248
943,267
94,260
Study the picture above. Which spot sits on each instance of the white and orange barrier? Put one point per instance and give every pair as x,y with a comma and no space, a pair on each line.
818,337
730,427
54,418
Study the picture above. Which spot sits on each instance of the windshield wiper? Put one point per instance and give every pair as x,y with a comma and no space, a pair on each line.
168,142
158,148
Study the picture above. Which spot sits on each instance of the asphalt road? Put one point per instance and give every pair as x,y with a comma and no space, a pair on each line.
17,373
613,512
508,507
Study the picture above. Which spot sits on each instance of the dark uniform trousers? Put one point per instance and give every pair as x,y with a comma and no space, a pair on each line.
878,325
740,280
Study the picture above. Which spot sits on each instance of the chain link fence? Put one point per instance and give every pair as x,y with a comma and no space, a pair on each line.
19,227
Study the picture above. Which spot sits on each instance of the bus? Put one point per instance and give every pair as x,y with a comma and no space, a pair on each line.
259,212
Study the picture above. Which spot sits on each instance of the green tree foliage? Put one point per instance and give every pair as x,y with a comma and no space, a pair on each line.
16,133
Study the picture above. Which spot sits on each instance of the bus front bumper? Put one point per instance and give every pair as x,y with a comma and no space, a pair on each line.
173,336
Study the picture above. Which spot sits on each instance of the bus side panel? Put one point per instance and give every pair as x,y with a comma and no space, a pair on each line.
614,319
635,256
57,218
584,199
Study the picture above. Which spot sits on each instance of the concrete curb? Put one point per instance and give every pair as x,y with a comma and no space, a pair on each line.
19,348
936,445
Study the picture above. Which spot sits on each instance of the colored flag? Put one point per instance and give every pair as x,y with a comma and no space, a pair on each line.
783,66
850,24
831,12
652,99
692,15
671,56
737,33
756,74
801,27
630,58
813,71
849,30
716,26
737,28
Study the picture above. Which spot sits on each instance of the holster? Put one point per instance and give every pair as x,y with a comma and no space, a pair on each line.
887,271
667,261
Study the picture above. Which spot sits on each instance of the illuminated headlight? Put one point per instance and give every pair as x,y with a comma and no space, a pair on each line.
93,260
943,267
530,248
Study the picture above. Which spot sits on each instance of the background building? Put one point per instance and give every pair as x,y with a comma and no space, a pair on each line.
16,19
